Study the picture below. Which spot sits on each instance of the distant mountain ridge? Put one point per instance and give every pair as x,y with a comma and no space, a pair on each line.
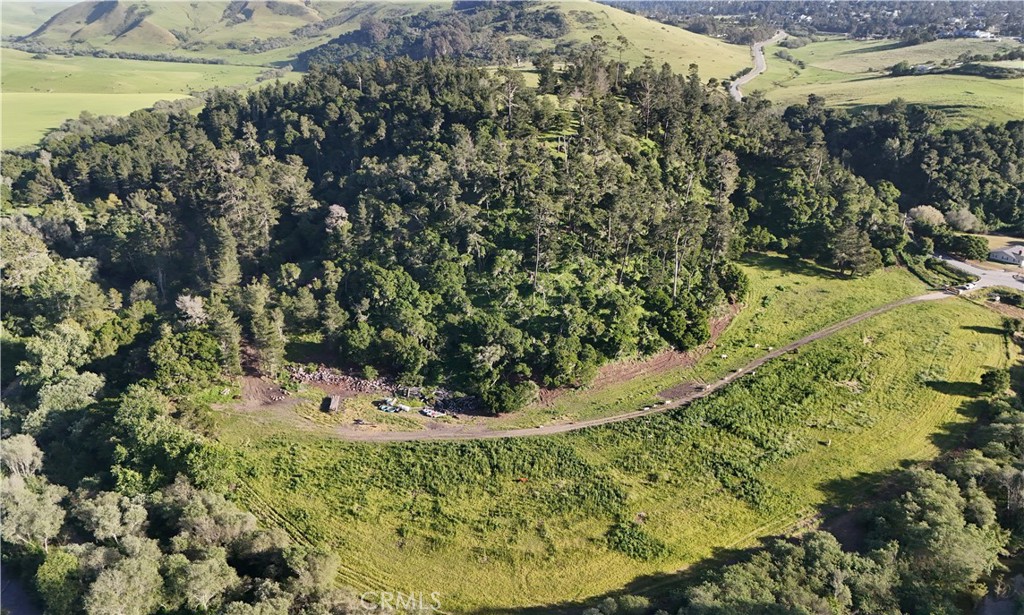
132,25
103,18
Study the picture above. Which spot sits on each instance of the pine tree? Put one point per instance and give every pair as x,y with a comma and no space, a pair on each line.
228,332
268,336
852,251
227,273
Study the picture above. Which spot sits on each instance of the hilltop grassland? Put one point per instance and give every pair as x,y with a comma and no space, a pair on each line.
650,39
851,74
39,94
503,523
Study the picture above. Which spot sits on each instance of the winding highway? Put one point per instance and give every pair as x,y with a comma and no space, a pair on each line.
760,65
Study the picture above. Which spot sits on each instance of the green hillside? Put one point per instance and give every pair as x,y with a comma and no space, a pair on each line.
525,521
254,32
650,39
22,18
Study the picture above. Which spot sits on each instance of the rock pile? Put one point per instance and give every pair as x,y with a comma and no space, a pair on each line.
326,375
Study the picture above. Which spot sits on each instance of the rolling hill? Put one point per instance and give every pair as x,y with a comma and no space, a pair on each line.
660,42
216,29
854,74
275,31
23,18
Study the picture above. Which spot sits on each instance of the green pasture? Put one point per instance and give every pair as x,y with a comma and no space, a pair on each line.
39,94
850,74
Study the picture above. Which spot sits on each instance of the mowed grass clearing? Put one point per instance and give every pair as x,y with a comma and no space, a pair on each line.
39,94
850,74
503,523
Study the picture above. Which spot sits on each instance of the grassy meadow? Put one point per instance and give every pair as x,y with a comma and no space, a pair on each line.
850,74
529,521
39,94
650,39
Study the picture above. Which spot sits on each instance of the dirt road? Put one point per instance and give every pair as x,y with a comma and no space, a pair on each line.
760,65
476,432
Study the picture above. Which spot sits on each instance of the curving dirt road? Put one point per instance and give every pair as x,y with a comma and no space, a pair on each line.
481,433
760,65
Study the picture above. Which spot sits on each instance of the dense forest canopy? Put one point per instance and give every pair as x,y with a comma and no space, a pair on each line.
442,223
433,221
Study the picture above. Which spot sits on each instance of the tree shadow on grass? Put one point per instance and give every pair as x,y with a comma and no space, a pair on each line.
965,389
847,502
984,329
776,262
947,109
873,49
662,589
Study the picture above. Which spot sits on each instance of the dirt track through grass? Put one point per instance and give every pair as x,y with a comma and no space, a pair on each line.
473,433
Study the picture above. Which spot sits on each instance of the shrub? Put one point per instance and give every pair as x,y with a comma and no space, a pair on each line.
995,381
629,538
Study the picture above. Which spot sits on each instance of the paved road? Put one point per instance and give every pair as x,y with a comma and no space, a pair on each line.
477,432
13,597
760,65
987,277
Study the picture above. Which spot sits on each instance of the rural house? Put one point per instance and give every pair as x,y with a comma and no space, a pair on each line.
1012,255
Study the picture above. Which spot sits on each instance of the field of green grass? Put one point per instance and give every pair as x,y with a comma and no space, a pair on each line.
503,523
39,94
661,42
849,74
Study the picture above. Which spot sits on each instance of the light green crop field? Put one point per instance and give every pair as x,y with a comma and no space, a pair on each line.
850,74
40,94
502,523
